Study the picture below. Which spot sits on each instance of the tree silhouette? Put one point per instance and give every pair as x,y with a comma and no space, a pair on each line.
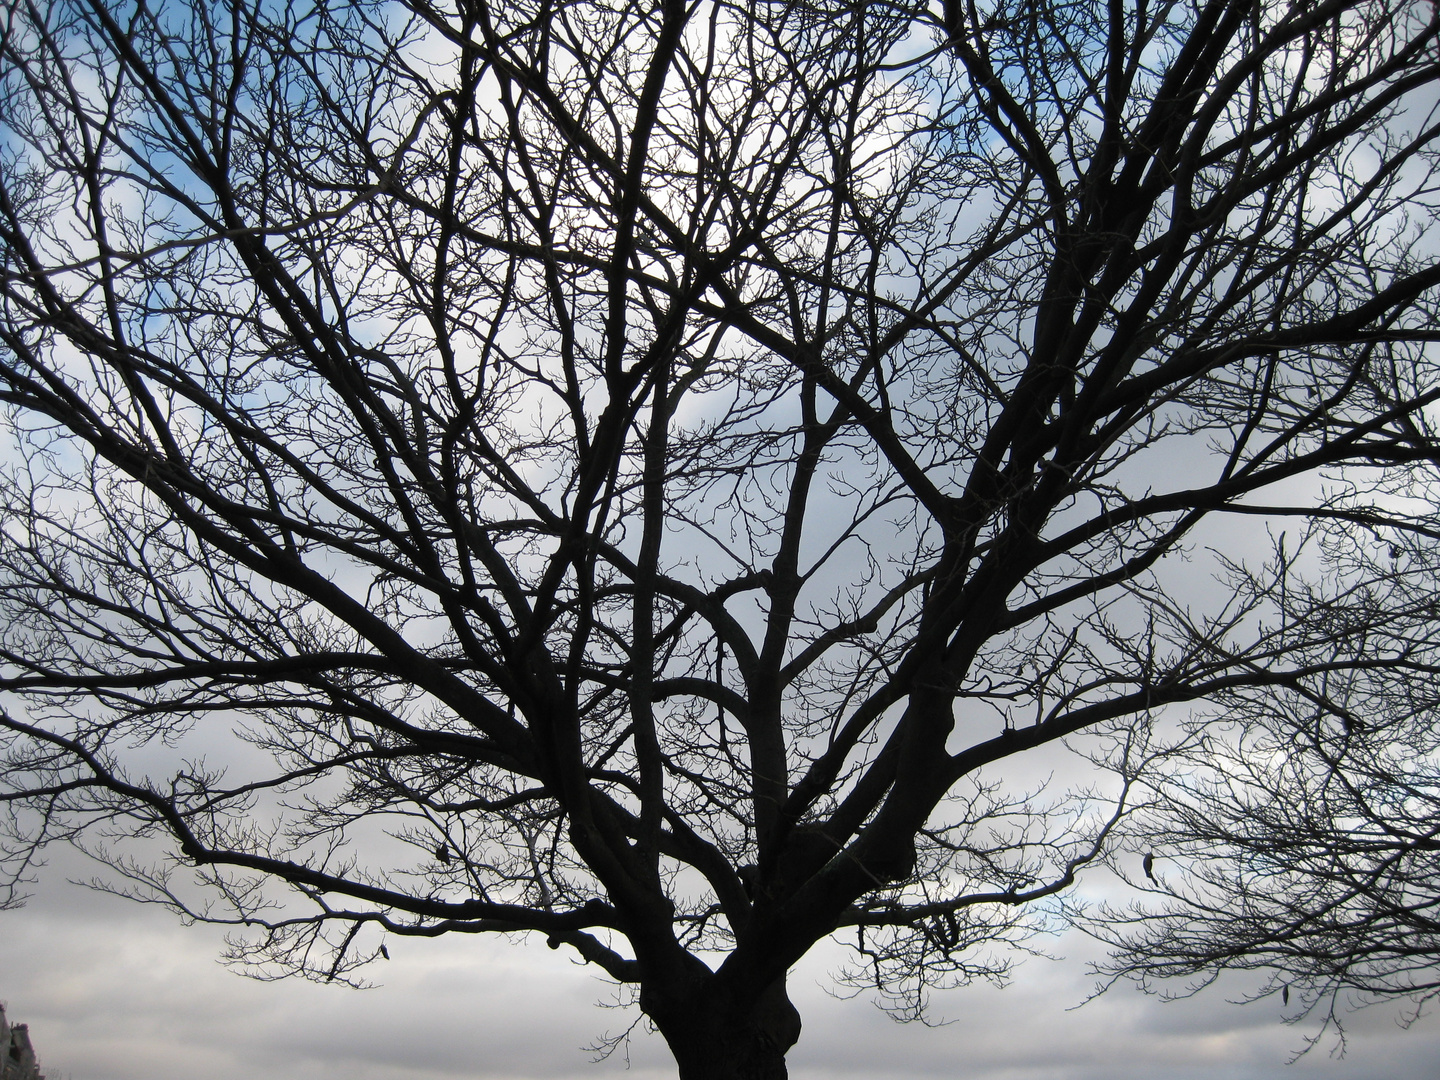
1301,830
655,474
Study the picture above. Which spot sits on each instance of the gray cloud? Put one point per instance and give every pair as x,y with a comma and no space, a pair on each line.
116,991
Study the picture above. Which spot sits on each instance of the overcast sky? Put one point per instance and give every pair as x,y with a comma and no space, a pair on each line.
115,991
112,990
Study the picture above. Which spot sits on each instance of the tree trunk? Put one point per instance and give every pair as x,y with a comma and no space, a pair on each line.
713,1042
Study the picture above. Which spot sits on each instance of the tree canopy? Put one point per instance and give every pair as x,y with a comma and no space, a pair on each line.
657,473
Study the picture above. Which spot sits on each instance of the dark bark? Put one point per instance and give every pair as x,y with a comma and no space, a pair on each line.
715,1037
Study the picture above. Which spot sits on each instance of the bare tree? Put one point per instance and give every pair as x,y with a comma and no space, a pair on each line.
1296,832
652,474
